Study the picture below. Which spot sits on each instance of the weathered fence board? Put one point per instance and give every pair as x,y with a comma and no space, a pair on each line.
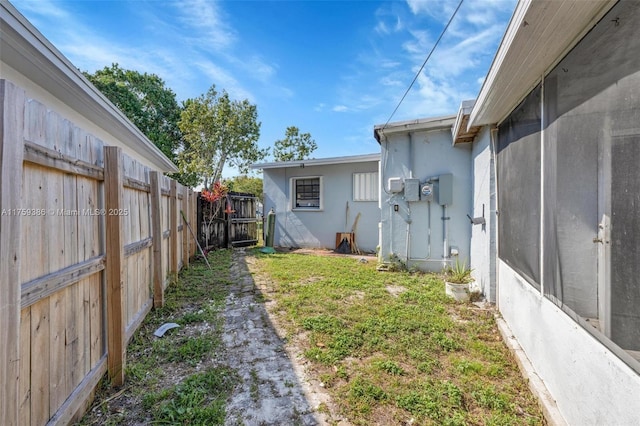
12,102
77,258
230,221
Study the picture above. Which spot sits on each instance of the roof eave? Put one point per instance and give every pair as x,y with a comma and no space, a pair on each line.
538,36
418,125
26,50
317,162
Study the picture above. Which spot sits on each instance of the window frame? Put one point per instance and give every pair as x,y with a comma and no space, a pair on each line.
293,193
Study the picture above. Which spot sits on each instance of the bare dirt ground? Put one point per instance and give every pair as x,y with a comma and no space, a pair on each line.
276,387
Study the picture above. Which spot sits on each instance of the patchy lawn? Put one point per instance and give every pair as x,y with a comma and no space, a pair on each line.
391,348
180,378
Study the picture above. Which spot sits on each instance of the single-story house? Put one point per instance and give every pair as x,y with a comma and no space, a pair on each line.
546,164
555,131
316,199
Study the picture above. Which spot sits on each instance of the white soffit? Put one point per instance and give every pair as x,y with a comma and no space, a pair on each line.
539,35
27,51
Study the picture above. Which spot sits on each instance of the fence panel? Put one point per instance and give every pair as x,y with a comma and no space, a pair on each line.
228,222
77,236
243,226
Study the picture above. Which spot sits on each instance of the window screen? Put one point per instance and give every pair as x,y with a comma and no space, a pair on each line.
306,192
518,168
365,186
592,177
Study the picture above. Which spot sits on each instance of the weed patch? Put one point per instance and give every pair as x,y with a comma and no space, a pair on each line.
179,378
415,355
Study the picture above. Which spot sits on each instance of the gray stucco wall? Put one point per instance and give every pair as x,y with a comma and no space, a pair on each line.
590,384
416,230
483,237
317,229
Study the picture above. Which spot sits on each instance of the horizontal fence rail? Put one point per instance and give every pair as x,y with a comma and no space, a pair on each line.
90,240
228,222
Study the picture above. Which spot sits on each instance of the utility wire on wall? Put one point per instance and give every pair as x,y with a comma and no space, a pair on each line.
423,64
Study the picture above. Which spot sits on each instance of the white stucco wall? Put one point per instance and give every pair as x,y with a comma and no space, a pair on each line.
317,229
483,236
590,384
417,228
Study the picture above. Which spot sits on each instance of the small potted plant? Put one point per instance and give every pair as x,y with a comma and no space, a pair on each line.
456,281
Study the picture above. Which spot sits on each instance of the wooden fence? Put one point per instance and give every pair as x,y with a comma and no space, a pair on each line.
89,241
228,222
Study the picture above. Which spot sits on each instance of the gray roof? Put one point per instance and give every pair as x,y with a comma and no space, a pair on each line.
318,162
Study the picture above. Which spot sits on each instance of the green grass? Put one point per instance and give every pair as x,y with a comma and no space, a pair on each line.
198,400
388,359
176,379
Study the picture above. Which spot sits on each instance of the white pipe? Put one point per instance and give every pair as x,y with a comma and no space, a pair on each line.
445,237
408,241
391,230
429,230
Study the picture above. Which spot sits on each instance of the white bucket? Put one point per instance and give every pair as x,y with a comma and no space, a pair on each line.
459,292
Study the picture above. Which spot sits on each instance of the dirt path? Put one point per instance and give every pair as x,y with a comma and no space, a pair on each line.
274,389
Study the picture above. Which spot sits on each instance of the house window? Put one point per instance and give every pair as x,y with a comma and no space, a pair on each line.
365,186
518,168
307,193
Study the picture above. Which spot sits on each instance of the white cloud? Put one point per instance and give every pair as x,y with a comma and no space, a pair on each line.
390,81
388,20
224,80
205,19
434,8
340,108
388,63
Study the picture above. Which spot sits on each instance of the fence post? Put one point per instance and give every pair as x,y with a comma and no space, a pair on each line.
185,229
195,222
12,100
198,221
173,226
156,234
113,190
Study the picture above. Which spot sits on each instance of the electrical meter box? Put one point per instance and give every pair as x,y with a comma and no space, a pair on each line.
445,189
412,189
396,184
426,192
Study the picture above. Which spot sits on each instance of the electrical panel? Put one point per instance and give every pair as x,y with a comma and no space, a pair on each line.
396,184
412,189
445,189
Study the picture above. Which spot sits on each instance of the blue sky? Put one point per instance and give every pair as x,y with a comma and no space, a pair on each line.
331,68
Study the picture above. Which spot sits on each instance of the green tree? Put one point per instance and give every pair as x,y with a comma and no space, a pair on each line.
145,100
246,184
218,131
295,146
148,103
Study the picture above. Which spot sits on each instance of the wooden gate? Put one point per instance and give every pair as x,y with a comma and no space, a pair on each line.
228,222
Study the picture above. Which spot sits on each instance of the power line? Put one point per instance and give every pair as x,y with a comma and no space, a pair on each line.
423,64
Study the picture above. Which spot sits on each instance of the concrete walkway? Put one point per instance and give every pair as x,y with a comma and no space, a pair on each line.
272,390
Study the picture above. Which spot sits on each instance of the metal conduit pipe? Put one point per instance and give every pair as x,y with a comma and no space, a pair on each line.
445,237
